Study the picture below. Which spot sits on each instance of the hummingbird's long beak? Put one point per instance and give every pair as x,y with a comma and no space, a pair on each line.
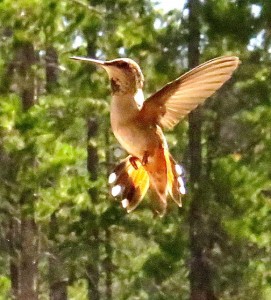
90,60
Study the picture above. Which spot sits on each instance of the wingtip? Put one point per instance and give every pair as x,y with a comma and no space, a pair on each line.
232,58
236,59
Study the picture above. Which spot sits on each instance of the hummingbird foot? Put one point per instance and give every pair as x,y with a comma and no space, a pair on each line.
133,160
145,158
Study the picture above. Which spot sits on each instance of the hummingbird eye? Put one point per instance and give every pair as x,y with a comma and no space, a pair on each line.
115,85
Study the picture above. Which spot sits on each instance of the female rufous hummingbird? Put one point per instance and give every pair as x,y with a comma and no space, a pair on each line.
137,124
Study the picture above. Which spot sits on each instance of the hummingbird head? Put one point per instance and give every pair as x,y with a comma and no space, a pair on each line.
124,74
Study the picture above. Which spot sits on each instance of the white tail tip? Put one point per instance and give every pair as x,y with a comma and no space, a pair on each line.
125,203
182,190
116,190
112,178
178,169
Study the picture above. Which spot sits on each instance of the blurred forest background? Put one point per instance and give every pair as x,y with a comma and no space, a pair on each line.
62,236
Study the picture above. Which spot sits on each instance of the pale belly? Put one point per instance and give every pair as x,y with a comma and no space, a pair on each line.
137,140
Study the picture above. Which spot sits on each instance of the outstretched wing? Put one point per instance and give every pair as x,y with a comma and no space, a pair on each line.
179,97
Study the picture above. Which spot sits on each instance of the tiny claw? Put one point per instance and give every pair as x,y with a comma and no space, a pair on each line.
133,160
145,158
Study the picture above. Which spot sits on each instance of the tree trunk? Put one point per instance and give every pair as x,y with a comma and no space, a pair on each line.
13,238
29,259
58,282
58,290
108,265
26,81
92,268
51,69
200,273
108,248
28,231
57,278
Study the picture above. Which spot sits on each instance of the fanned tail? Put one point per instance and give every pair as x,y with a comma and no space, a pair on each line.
130,181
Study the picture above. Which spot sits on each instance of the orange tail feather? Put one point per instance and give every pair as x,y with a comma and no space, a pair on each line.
130,181
166,178
157,170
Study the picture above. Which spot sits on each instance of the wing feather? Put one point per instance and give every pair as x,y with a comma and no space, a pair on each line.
179,97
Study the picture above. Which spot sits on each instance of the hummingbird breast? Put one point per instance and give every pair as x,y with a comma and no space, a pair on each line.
133,134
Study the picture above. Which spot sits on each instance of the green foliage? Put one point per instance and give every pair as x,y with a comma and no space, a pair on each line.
4,287
43,150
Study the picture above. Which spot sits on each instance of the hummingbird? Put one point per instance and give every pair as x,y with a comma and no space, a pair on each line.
138,125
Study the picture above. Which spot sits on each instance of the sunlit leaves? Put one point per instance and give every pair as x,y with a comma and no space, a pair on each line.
44,150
